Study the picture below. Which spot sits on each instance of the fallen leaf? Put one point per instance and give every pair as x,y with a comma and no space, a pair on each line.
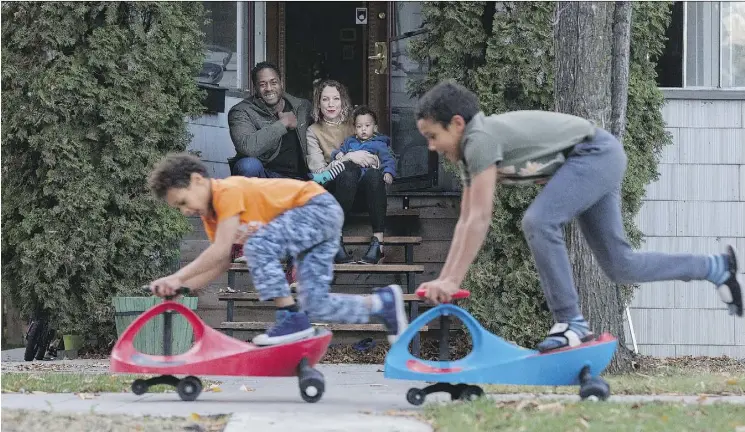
214,388
85,396
246,389
731,382
702,399
664,418
555,407
195,417
526,404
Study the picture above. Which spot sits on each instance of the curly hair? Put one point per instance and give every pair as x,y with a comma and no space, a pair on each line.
445,100
174,172
346,102
364,110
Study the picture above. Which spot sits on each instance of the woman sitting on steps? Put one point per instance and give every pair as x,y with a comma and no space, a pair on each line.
331,112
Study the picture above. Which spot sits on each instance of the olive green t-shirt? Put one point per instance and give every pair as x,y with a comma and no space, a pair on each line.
527,146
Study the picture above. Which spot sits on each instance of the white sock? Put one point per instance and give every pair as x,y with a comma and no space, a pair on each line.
377,304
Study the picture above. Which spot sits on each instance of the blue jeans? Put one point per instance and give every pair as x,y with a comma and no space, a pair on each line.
252,167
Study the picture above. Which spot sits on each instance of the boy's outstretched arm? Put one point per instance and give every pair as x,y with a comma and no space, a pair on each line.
470,232
204,268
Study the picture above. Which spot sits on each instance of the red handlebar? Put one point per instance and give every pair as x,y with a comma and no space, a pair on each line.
461,294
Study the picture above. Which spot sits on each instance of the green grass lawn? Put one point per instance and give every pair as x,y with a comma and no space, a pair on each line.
64,382
656,382
538,416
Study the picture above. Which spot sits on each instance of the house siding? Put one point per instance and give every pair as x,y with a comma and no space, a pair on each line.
697,206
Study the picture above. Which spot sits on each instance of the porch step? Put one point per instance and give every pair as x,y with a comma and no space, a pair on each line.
252,296
251,325
357,268
391,240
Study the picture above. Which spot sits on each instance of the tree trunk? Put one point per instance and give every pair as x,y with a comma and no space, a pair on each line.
584,63
620,72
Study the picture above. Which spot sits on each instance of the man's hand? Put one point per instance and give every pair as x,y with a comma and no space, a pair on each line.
362,158
439,291
387,178
288,119
165,286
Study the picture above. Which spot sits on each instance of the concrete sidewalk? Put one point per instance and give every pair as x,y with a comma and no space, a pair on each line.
357,398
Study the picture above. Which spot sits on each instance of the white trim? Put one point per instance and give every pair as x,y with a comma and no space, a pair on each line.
242,37
685,43
259,31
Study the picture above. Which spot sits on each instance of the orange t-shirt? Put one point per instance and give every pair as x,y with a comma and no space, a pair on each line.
256,199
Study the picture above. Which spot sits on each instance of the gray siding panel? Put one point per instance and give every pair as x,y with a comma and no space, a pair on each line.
670,153
711,146
703,114
683,326
715,219
657,218
737,351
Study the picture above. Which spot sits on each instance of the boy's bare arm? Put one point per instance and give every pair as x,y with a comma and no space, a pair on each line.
217,255
475,226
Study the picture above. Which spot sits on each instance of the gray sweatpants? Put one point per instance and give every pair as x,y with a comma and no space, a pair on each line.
588,187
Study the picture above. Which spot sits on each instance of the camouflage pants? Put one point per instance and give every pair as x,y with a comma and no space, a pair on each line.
309,234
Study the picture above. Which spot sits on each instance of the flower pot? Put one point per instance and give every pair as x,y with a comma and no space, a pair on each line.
72,344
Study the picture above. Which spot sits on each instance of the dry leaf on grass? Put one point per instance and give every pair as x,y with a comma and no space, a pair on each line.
555,407
195,417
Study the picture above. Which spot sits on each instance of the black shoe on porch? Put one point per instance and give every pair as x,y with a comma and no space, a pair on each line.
342,257
374,254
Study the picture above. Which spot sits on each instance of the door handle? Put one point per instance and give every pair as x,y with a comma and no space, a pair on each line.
381,55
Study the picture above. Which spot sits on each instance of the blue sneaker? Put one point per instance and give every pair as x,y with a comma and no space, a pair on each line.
290,327
392,312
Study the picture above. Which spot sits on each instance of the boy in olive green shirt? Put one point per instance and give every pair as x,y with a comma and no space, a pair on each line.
582,167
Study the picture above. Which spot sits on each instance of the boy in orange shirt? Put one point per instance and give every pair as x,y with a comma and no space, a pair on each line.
276,218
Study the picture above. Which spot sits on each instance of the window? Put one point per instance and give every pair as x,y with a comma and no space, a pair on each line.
227,44
705,47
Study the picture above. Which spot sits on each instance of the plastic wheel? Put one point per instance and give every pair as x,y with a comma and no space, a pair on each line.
471,393
189,388
415,396
594,389
139,387
311,388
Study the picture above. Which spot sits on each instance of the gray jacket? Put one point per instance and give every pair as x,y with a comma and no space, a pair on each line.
257,132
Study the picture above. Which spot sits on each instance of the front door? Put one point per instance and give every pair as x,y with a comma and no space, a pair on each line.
363,45
390,71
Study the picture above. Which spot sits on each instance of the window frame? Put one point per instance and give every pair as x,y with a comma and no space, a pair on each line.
700,91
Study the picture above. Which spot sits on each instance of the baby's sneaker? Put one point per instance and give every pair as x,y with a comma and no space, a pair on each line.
289,327
723,274
571,334
388,306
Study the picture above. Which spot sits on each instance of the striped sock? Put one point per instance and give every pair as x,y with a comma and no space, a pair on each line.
718,269
336,169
